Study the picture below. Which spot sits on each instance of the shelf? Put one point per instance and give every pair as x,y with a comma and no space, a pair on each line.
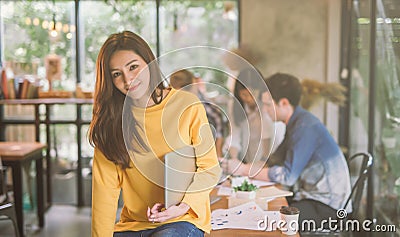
44,118
47,101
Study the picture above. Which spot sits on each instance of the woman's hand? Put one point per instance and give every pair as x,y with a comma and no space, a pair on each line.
233,166
158,214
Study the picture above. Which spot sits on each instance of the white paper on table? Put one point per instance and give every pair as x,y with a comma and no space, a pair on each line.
272,192
224,191
246,216
261,183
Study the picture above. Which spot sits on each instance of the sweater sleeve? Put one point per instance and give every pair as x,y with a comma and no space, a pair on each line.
208,170
300,148
105,194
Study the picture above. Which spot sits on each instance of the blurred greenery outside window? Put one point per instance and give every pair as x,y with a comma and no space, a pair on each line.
387,101
27,39
387,116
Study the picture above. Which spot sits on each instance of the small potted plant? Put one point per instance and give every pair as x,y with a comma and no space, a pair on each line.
245,191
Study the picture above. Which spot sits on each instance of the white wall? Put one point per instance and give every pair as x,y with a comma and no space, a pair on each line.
300,37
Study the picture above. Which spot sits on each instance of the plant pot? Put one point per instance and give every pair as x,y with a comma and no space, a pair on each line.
245,194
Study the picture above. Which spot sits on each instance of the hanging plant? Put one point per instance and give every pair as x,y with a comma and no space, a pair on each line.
315,91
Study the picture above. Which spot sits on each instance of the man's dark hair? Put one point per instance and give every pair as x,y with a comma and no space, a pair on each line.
282,85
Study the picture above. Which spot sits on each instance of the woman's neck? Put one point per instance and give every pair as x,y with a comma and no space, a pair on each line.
144,101
147,101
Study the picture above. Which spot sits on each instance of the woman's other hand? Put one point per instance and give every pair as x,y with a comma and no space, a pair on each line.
233,166
158,214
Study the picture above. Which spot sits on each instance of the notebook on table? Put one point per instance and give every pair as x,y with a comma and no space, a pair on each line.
180,166
272,192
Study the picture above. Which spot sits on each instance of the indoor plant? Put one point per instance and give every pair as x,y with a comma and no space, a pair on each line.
245,191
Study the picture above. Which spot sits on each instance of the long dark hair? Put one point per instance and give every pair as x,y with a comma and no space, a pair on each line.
105,131
251,79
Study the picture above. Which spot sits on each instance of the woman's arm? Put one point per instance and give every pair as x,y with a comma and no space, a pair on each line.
196,199
105,194
208,170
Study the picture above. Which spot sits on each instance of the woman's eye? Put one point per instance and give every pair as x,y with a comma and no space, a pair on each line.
133,67
116,74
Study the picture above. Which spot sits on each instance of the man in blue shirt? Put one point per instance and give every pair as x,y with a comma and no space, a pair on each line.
308,159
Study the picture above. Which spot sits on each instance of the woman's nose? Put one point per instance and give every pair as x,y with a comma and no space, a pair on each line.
128,79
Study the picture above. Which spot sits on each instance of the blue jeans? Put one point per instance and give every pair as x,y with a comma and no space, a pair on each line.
176,229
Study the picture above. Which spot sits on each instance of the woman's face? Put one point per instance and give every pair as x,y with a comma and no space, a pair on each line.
270,107
247,97
130,73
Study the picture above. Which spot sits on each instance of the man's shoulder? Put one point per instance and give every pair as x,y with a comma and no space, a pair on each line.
306,118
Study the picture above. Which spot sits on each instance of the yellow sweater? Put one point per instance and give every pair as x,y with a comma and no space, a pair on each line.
177,121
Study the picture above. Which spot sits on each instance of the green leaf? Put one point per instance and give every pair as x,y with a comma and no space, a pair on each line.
245,186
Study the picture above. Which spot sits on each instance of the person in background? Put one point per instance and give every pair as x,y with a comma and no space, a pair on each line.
308,160
253,133
185,80
132,107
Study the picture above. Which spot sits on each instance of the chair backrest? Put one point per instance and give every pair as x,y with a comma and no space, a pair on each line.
3,186
358,187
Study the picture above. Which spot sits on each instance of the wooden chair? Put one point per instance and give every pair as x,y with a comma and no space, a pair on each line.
7,207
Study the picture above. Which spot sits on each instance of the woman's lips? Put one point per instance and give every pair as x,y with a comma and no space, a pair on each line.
134,87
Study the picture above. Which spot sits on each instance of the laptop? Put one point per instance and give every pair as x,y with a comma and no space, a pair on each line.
180,166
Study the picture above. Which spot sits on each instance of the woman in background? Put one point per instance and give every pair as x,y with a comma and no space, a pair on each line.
253,133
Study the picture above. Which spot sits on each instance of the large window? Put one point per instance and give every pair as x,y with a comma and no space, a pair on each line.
385,142
136,16
33,31
388,109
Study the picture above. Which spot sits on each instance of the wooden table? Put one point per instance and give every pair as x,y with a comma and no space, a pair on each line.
47,120
273,205
16,155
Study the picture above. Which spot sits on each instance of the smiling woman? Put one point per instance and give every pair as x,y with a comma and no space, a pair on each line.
25,41
130,74
132,107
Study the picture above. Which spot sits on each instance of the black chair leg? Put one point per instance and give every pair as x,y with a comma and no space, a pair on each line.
10,213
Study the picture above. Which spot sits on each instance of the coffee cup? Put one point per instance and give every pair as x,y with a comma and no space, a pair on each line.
290,220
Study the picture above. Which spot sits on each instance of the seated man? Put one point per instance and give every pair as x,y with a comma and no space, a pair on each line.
308,159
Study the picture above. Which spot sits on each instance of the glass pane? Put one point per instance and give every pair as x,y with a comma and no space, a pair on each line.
87,150
359,82
198,23
63,112
64,147
20,133
388,108
195,23
64,153
87,156
19,112
136,16
359,92
39,41
87,112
